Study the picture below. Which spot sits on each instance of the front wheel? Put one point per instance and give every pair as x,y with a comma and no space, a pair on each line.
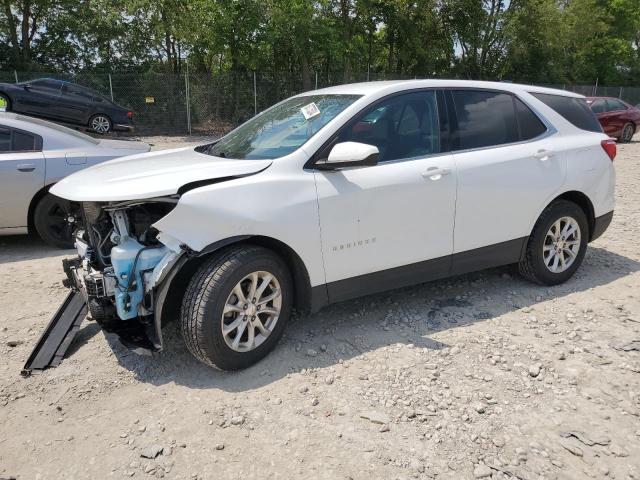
236,307
100,124
557,244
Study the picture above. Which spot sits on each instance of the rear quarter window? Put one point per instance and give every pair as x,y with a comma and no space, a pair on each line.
574,110
529,125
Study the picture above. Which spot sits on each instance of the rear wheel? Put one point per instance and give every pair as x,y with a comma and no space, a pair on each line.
557,244
627,133
54,220
100,124
236,307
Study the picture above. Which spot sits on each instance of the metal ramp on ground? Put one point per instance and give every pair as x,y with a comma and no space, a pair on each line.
55,340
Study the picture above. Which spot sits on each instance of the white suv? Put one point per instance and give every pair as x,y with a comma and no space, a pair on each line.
334,194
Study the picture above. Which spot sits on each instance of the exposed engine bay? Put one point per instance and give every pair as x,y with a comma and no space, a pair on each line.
121,259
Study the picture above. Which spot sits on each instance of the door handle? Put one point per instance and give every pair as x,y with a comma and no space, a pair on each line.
435,173
543,155
26,167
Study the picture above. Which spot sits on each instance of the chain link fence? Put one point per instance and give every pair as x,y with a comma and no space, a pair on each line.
185,103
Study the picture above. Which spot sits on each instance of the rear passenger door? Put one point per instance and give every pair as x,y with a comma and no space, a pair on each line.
616,117
507,168
76,103
22,172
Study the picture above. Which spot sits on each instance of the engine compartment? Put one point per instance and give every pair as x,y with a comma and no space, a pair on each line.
120,261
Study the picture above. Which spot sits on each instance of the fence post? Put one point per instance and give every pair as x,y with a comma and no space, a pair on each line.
255,95
316,80
595,88
15,73
620,95
110,87
186,95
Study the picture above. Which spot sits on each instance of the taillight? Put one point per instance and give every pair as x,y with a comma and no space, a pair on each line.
609,146
130,115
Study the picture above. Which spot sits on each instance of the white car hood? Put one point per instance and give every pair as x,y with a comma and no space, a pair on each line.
149,175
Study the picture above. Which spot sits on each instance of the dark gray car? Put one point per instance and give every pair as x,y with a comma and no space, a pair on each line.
65,102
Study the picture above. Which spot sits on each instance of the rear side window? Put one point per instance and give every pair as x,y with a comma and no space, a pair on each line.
574,110
18,141
5,140
615,105
484,119
599,106
23,142
529,125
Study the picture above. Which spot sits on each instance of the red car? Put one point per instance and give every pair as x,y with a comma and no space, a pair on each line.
618,118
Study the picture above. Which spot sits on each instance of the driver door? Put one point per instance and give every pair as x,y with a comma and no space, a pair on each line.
391,224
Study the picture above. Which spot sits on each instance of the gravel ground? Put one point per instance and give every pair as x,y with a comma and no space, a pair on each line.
480,376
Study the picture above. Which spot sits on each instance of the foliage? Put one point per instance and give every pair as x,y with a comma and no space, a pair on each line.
543,41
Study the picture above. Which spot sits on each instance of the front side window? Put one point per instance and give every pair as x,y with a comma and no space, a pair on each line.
282,129
484,119
404,126
573,109
46,84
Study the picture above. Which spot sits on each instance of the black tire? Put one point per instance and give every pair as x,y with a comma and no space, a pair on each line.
50,220
100,123
6,101
532,266
628,131
205,298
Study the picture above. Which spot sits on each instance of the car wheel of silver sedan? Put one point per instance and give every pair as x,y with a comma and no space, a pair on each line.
100,124
55,220
236,307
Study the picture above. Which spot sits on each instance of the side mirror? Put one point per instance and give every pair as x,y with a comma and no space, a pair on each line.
350,154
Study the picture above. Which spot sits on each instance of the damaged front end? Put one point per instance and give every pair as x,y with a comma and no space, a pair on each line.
121,265
122,259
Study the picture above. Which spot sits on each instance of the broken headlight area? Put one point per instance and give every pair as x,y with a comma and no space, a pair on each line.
121,259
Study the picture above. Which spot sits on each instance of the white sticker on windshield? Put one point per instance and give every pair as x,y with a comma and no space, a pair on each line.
310,111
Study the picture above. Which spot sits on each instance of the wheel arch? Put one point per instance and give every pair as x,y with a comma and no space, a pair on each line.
99,113
40,194
9,100
171,292
583,201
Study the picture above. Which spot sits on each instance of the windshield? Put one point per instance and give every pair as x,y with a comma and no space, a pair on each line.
283,128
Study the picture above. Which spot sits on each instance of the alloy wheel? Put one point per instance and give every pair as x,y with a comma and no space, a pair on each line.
627,133
60,221
100,124
561,244
251,311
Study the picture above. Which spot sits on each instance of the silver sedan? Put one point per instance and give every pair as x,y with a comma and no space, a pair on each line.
34,155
